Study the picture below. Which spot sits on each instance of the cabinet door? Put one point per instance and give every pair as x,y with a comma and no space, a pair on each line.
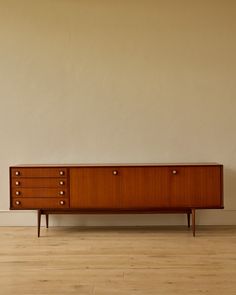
195,186
144,187
94,188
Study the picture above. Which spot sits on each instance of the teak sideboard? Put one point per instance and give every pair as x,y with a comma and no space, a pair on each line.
117,188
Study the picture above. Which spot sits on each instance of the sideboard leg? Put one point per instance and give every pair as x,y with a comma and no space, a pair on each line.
188,218
39,222
46,215
193,221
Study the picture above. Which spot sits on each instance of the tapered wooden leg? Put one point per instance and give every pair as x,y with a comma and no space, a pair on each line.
193,221
188,218
46,215
39,222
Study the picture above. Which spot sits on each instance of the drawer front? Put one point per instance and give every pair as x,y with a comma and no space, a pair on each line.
39,182
38,172
39,192
39,203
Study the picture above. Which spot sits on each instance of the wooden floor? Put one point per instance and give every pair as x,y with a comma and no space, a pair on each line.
118,261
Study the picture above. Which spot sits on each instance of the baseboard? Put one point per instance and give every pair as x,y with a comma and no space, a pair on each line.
203,217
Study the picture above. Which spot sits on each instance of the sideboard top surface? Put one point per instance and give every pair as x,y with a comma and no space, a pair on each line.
118,165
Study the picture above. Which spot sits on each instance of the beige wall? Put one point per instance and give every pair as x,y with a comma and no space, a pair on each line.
118,81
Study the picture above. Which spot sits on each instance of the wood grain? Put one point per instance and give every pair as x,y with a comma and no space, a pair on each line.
146,187
38,171
94,187
45,182
143,187
196,188
39,192
38,203
128,261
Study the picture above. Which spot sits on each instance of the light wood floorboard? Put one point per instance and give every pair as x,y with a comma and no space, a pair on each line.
118,261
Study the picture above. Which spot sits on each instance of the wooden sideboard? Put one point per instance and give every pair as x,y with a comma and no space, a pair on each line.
117,188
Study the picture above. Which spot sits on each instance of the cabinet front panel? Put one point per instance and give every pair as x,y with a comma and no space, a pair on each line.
144,187
195,187
94,187
39,192
122,187
38,172
39,203
39,182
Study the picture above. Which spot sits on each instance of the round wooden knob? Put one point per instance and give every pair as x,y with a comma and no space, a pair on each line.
17,173
62,193
62,202
174,172
17,193
115,172
61,172
17,202
61,182
17,183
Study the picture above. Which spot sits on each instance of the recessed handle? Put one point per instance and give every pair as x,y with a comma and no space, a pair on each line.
17,202
115,172
17,193
17,183
174,171
62,202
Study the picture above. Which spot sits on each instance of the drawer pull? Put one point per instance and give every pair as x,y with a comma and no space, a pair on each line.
62,202
61,182
17,193
114,172
174,172
61,172
17,202
61,193
17,173
17,183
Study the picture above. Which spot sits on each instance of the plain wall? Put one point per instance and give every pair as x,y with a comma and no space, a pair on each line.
124,81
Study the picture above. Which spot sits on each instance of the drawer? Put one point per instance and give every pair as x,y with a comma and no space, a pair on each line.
39,203
39,182
38,172
39,192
